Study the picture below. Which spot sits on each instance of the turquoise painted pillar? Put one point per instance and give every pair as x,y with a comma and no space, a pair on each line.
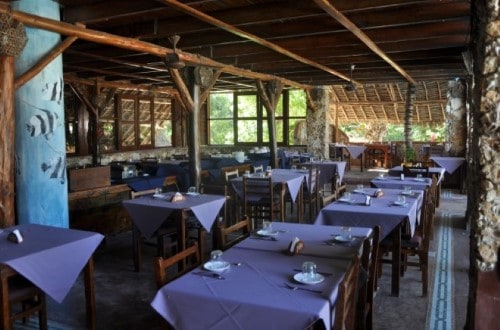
40,151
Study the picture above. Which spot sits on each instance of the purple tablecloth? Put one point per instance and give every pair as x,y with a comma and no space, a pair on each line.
449,163
254,295
292,178
315,240
382,212
397,170
50,257
394,182
148,213
328,169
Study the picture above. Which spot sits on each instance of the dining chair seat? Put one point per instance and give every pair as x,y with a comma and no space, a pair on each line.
23,299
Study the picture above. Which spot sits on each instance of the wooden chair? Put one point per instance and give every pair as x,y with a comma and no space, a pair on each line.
416,245
412,171
258,169
310,192
229,236
231,175
259,200
369,263
17,290
345,306
335,189
170,183
188,259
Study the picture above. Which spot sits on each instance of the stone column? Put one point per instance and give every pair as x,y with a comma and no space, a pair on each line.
318,126
456,129
40,152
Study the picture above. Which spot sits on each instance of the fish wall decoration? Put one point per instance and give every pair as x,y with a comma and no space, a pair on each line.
43,123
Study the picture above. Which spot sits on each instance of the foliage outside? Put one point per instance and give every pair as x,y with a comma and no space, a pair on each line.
372,132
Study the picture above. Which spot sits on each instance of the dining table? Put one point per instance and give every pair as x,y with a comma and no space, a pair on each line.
290,180
354,151
416,183
327,169
450,164
386,211
395,182
149,212
52,259
263,288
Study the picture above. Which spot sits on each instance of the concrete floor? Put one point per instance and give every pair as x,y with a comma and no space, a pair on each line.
123,295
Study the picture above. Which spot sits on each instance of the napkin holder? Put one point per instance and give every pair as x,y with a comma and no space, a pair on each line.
15,236
296,246
177,197
378,193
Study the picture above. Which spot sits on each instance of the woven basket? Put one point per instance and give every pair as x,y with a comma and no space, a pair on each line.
12,36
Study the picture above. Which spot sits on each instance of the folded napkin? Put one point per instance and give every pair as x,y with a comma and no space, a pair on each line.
378,193
296,246
177,197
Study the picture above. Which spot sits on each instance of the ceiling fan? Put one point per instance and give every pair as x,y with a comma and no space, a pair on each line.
350,87
173,60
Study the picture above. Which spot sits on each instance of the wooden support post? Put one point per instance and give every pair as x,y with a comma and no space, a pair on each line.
7,209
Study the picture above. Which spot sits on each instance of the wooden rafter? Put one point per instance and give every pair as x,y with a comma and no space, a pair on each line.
362,36
246,35
135,45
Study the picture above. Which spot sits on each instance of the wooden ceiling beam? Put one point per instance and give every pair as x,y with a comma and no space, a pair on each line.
133,44
243,34
362,36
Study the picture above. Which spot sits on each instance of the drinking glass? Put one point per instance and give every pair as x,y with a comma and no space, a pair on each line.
309,270
192,190
346,232
360,187
294,167
267,226
401,199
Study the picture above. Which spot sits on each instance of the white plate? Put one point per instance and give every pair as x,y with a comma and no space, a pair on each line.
419,179
400,203
345,200
160,196
381,178
216,266
262,232
359,191
192,193
344,239
407,193
304,279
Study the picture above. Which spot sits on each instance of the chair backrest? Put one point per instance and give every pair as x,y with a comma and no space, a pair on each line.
345,306
229,236
412,171
258,169
231,175
170,183
258,192
135,194
164,267
369,260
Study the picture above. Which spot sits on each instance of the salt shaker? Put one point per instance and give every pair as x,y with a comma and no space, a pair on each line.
402,176
368,200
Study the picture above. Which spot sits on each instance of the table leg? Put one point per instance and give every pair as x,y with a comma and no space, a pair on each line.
396,260
136,248
5,310
90,294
